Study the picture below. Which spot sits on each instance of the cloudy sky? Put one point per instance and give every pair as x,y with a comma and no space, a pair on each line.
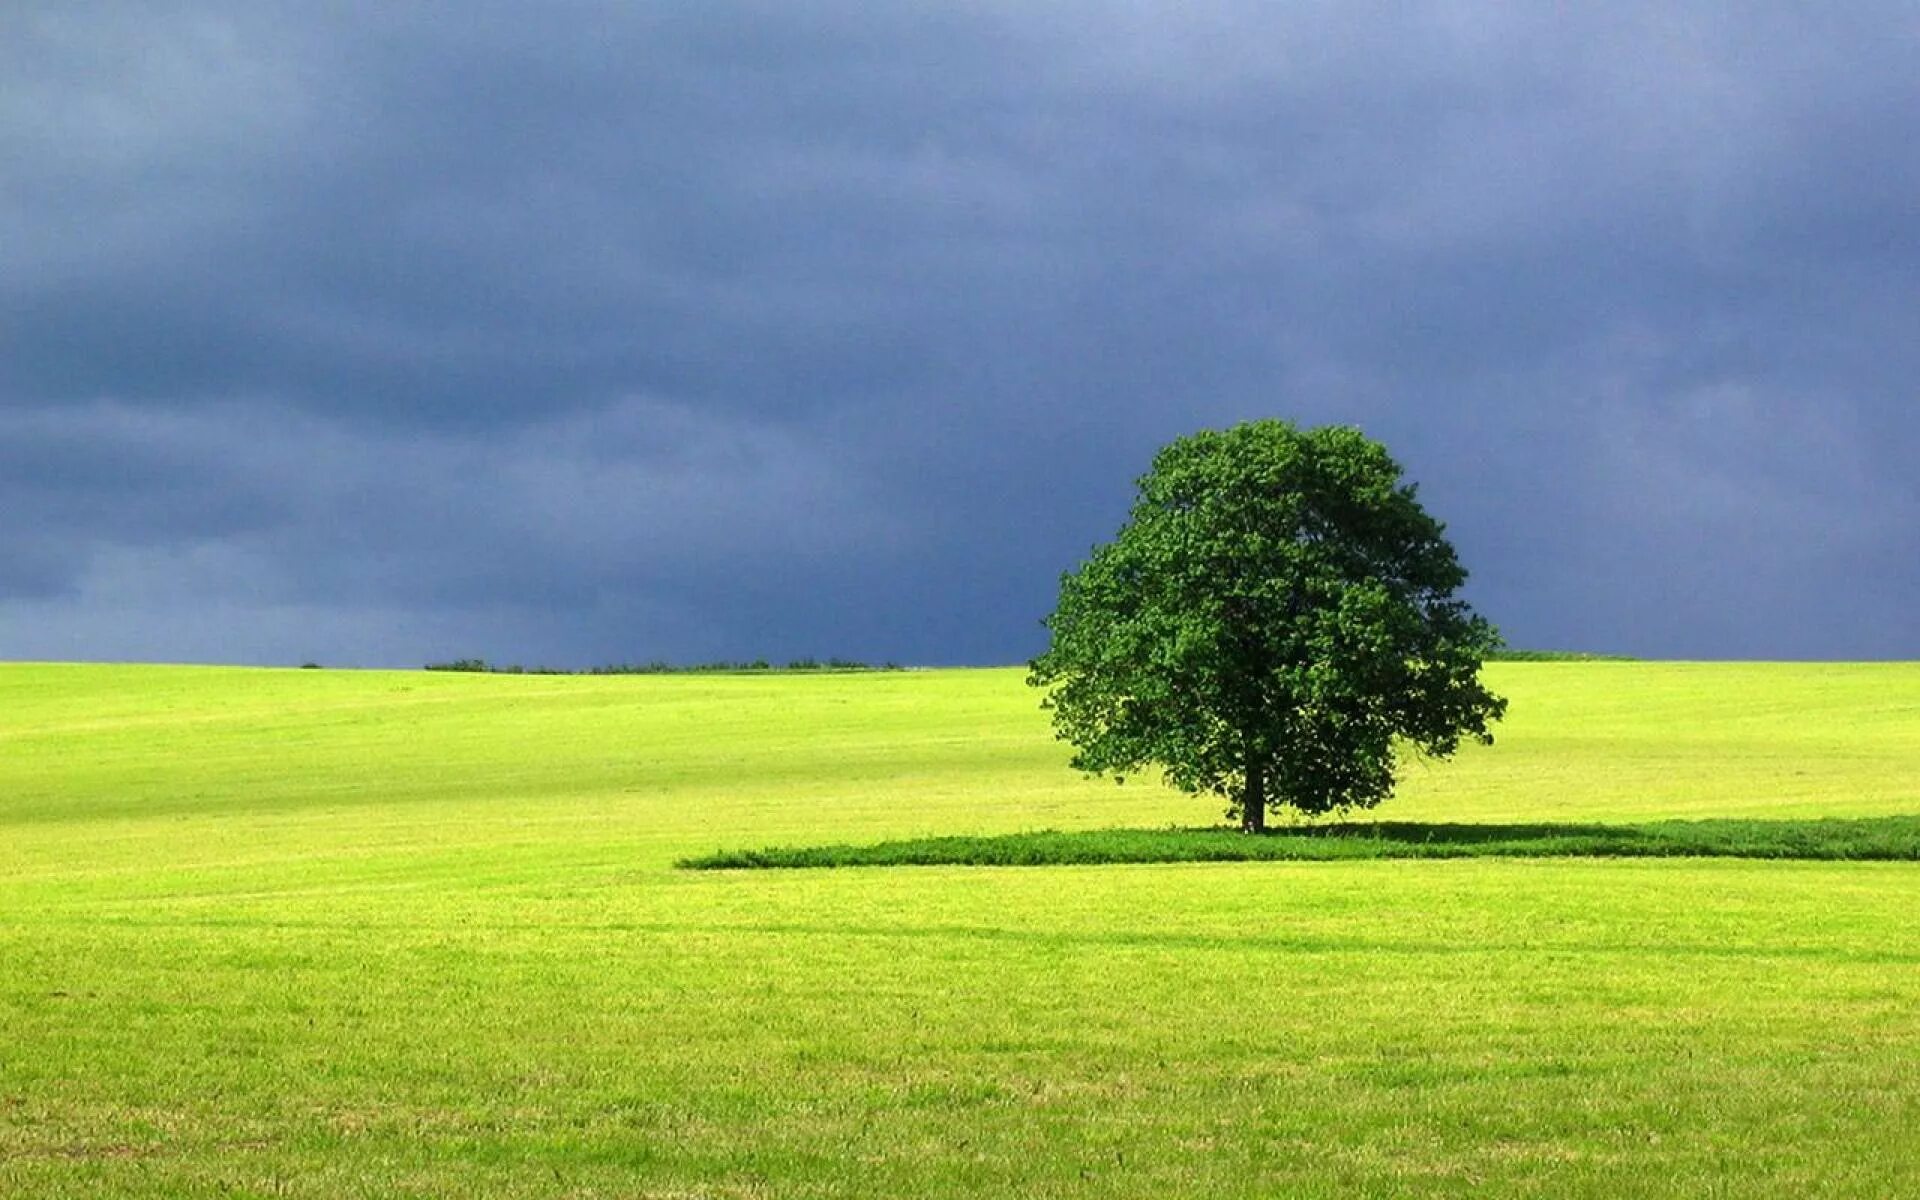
577,332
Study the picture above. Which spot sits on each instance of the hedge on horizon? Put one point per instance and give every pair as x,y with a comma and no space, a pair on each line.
1276,613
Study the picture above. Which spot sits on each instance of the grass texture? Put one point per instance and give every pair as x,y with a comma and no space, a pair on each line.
1870,838
408,934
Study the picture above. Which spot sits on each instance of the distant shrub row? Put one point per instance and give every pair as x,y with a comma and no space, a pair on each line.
1510,655
723,667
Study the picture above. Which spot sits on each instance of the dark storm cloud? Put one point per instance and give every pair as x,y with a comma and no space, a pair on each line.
599,331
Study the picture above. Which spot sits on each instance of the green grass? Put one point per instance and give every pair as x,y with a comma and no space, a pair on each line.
1861,839
323,933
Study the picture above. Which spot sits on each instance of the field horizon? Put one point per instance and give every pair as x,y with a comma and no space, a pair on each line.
283,931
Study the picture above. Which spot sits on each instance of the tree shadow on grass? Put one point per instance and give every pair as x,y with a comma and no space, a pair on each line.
1884,838
1428,832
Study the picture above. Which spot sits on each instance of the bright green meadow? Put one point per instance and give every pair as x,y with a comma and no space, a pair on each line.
390,934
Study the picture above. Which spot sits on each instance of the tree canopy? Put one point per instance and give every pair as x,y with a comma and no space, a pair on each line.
1277,612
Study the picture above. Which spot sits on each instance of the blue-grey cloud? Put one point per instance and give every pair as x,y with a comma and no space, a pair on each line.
377,333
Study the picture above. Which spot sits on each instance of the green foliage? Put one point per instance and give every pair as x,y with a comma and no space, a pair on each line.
1828,839
1277,612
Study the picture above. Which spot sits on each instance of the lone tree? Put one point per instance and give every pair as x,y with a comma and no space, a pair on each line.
1275,613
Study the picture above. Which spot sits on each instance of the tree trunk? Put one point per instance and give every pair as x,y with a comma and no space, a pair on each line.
1253,805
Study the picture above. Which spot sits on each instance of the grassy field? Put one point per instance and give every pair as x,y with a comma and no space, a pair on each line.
320,933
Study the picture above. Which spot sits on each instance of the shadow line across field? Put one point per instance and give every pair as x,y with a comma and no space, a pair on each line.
1894,839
